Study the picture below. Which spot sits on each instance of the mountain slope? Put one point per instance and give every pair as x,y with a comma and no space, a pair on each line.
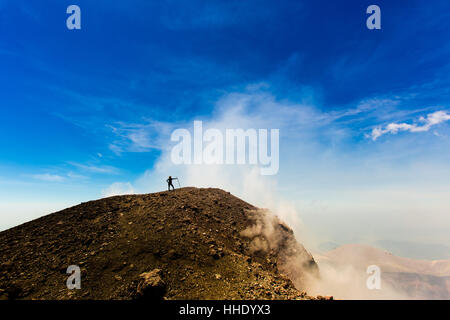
205,243
401,278
364,255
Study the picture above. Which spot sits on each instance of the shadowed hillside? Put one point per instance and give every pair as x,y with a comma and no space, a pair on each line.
187,244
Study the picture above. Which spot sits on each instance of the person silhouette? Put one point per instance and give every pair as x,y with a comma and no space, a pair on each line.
169,183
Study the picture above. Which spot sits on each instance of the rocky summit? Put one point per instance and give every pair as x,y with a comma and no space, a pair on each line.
190,243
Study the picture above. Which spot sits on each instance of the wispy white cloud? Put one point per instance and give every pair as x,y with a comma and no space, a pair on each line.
117,150
95,169
140,137
77,176
424,125
48,177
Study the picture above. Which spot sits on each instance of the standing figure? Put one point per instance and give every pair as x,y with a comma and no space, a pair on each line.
169,183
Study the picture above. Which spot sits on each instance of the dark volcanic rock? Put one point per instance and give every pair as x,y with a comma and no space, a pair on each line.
191,234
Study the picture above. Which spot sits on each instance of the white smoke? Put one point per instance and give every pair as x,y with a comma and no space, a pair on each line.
349,282
118,188
298,124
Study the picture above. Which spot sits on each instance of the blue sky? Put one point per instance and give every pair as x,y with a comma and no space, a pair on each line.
86,111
